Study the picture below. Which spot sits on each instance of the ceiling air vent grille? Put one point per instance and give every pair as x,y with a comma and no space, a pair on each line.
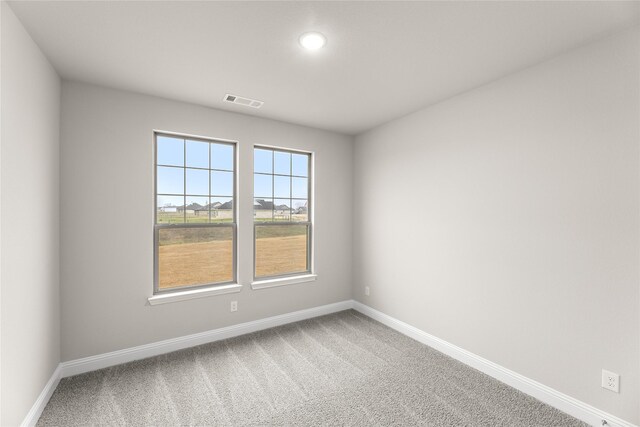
247,102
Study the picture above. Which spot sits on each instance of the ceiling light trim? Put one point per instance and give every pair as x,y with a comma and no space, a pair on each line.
312,40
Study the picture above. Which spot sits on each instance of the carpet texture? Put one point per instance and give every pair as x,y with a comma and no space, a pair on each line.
340,369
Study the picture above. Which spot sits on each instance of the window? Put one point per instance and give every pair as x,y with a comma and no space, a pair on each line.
195,226
281,212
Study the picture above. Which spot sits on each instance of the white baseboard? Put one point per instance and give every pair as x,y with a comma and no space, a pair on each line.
36,410
93,363
561,401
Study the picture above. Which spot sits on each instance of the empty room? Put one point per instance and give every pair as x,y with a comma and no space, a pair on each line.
323,213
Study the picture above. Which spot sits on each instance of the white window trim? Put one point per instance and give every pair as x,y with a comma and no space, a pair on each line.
307,276
282,281
168,297
219,288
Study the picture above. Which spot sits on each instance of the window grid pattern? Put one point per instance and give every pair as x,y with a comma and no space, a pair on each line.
211,195
289,210
177,210
296,199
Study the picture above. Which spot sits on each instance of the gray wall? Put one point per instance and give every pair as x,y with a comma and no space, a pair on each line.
107,261
518,238
29,220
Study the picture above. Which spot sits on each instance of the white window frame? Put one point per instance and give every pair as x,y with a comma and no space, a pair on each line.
204,289
260,282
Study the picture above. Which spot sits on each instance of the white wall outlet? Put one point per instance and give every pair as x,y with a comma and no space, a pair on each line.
366,290
611,381
234,305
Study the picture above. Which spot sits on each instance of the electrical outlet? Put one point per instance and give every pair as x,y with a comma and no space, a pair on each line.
234,305
366,290
610,381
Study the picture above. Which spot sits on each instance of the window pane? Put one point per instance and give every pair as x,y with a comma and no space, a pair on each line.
221,183
194,256
281,186
282,163
262,161
197,209
221,209
262,185
169,209
299,188
222,156
281,249
197,154
300,164
170,180
198,182
300,211
282,209
263,209
170,151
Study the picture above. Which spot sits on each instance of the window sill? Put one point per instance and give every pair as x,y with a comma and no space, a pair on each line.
283,281
194,293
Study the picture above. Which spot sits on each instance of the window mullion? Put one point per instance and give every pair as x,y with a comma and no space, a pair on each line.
209,198
273,184
184,181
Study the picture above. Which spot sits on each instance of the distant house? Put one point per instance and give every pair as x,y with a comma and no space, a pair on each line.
260,204
225,206
262,209
300,208
222,210
206,208
193,208
282,212
169,209
185,208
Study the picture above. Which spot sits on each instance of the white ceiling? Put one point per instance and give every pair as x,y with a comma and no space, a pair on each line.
382,60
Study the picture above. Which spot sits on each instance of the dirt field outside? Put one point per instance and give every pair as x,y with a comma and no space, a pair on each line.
281,255
185,263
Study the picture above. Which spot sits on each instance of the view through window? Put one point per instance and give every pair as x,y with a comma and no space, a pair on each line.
281,210
195,229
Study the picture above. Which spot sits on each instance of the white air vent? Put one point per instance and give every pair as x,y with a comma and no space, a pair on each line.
235,99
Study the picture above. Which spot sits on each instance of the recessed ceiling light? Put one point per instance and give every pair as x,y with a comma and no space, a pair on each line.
312,40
